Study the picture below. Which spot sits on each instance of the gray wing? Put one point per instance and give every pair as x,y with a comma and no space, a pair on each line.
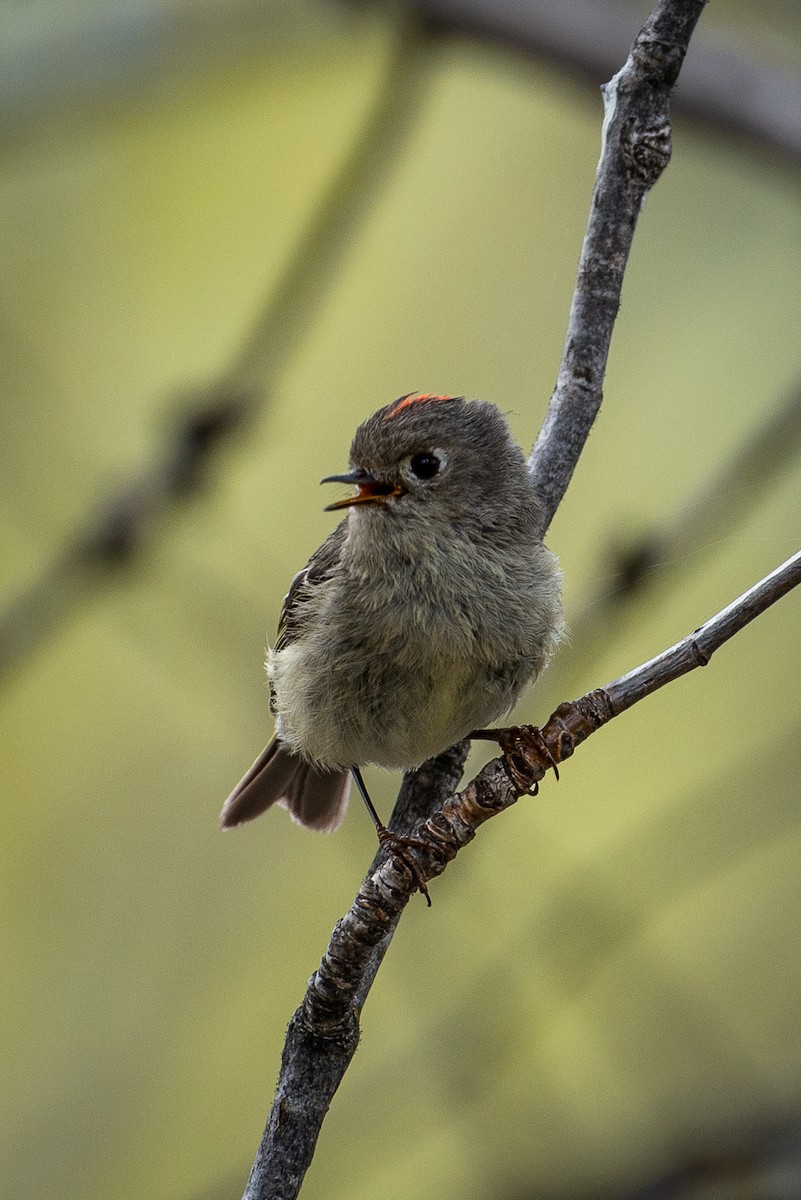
320,567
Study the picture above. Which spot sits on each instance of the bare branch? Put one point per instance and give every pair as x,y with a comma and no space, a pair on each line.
697,649
324,1032
636,149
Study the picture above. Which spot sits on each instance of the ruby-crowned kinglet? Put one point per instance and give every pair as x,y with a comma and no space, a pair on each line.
421,618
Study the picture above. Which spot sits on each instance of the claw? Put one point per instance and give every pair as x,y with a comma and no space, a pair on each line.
524,748
394,843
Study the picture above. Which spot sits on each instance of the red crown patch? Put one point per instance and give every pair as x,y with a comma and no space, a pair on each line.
413,398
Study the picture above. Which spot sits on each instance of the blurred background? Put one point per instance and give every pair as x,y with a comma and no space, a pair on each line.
228,232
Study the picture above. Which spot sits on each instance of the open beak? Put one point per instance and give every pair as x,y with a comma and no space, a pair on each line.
369,489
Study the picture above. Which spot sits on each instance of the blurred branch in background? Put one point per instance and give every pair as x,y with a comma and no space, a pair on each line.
76,58
720,84
710,513
767,1167
117,530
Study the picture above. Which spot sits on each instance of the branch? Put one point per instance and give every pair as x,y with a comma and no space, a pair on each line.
636,149
697,649
324,1032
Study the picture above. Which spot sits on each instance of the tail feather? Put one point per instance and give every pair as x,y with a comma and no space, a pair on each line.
314,796
317,798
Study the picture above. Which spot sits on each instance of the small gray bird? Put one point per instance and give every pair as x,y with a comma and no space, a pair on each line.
419,620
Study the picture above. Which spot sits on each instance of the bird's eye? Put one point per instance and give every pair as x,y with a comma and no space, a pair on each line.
424,465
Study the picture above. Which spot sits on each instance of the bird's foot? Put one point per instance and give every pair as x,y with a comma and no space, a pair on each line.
395,843
526,754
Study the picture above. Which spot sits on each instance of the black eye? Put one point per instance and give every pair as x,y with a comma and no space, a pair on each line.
424,466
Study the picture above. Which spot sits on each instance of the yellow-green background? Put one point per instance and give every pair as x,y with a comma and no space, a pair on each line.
607,984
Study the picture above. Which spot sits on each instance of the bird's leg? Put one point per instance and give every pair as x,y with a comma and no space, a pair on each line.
523,747
393,843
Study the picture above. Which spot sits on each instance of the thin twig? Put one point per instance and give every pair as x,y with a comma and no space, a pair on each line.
697,649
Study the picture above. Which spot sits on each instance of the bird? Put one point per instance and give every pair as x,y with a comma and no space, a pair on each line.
420,619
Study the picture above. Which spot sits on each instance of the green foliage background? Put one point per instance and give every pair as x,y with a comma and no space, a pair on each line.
607,983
